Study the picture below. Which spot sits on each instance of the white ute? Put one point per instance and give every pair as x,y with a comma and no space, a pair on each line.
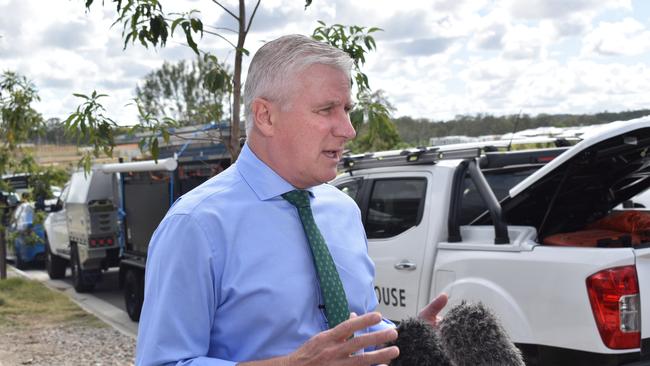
472,224
82,230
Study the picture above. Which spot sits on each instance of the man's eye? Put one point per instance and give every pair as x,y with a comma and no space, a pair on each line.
325,110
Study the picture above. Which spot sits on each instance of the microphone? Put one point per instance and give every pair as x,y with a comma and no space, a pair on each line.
419,345
471,334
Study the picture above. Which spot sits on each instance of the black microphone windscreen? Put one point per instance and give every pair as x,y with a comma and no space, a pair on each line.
418,345
471,334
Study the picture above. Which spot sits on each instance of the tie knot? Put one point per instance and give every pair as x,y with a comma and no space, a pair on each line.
298,198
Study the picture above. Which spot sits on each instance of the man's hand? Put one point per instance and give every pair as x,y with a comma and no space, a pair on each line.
430,312
335,346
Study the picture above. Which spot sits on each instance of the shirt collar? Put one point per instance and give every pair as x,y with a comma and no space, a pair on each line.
263,180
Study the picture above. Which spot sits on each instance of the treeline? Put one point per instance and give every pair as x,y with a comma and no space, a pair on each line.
418,131
53,132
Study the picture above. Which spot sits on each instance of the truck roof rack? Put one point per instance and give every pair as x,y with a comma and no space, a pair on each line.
433,154
418,156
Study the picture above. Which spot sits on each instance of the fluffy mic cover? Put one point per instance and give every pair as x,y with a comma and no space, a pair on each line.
470,334
418,345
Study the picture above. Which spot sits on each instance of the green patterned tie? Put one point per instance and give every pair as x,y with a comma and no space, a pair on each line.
336,304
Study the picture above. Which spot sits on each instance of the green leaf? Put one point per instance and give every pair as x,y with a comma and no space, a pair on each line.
197,25
307,3
188,38
175,23
154,149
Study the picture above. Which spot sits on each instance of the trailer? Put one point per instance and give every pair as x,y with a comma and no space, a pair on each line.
147,190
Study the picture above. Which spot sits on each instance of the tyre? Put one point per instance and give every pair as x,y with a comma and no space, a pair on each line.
55,265
133,293
80,279
20,263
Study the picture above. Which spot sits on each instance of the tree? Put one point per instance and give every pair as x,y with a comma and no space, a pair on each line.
146,22
178,91
18,122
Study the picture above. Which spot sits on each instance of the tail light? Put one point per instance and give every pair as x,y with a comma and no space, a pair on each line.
100,242
614,297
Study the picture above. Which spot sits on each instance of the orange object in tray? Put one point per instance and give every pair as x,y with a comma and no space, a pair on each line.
594,238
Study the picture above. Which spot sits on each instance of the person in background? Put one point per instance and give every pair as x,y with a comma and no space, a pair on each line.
265,263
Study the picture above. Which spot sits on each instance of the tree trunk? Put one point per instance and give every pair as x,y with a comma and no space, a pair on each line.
3,255
236,100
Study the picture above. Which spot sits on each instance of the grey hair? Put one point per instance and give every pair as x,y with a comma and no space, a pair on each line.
277,62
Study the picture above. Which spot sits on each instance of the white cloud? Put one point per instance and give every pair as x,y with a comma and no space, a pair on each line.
624,38
435,59
552,9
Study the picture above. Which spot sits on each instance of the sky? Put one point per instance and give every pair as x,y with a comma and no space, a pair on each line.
435,59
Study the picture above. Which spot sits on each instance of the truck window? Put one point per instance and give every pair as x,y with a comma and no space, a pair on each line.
500,181
395,206
351,188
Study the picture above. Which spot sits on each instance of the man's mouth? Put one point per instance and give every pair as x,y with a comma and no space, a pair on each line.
332,154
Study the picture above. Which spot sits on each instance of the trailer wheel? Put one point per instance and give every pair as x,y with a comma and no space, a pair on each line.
20,263
133,293
55,265
79,279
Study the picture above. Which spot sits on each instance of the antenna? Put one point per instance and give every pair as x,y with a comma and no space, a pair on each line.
514,129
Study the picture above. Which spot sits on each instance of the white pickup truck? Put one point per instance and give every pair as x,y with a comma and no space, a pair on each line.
82,230
472,224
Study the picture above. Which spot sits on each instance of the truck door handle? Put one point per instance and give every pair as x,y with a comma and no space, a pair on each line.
405,265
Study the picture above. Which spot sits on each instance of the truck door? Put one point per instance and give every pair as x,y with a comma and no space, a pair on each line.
392,208
59,240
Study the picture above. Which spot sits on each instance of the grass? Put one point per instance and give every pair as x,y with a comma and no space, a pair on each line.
29,303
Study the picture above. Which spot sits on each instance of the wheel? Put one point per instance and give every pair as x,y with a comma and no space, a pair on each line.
20,263
55,265
133,293
80,280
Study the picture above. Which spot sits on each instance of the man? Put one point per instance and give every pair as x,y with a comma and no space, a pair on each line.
233,277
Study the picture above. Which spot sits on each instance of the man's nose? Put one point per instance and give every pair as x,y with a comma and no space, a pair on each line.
344,127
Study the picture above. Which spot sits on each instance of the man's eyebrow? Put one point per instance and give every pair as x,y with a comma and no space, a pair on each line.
333,103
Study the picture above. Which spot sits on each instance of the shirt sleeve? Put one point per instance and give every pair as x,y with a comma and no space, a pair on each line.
180,296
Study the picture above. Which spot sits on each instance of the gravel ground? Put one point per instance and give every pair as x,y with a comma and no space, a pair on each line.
67,345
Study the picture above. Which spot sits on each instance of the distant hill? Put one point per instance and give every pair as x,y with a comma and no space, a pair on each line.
418,131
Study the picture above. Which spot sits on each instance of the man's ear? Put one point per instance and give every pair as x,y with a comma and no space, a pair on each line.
262,116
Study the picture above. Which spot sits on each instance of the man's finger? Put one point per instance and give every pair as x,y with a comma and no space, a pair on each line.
430,312
348,327
381,356
369,339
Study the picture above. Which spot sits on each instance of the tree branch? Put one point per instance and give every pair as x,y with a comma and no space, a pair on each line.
250,21
220,28
220,36
226,10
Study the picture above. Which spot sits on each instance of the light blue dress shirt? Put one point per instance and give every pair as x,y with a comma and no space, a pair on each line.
230,276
